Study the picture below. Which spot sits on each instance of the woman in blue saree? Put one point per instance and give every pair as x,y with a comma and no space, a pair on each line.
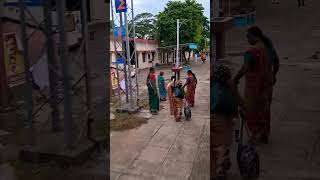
162,87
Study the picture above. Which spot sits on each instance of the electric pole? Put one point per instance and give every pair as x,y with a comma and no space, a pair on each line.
177,55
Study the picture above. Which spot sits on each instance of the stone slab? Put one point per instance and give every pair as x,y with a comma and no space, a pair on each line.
50,147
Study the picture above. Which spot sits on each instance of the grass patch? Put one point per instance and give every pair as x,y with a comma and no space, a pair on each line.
125,121
114,100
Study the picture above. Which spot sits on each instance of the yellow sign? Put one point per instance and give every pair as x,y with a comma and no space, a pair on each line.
122,5
13,60
114,80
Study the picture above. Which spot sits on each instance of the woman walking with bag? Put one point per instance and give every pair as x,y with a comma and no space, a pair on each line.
260,68
191,88
178,96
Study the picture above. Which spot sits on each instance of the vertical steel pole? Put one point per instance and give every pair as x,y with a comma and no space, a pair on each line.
125,62
229,8
128,58
222,7
135,51
212,9
116,52
51,64
29,99
3,77
84,30
177,55
68,122
218,8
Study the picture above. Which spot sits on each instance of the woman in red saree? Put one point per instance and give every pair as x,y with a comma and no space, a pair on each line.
191,87
260,74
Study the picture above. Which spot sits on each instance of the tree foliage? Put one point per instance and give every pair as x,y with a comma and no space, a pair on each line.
145,26
194,28
163,27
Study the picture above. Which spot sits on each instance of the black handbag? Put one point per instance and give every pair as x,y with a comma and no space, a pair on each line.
247,156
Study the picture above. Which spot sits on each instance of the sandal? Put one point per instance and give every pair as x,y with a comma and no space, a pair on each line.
154,113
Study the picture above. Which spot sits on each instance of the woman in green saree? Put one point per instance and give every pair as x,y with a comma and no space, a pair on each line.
152,92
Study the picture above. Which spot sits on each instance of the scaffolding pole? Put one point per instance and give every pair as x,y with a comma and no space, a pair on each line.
135,52
28,76
128,59
52,66
128,54
84,31
116,53
68,121
125,62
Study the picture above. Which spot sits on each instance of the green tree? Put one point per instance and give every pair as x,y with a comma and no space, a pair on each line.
195,26
145,26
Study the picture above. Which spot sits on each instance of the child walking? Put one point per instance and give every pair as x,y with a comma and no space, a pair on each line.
224,103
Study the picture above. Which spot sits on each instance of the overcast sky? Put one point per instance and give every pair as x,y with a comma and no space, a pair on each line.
155,6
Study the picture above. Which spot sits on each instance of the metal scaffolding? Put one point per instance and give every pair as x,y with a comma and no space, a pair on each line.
121,45
56,67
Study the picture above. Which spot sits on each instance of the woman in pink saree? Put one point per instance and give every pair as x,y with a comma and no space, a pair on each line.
170,95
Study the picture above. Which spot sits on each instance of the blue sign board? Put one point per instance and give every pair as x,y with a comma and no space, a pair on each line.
193,46
119,61
185,69
121,6
27,3
117,30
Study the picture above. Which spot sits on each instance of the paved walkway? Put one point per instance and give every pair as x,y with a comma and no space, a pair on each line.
163,149
294,149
